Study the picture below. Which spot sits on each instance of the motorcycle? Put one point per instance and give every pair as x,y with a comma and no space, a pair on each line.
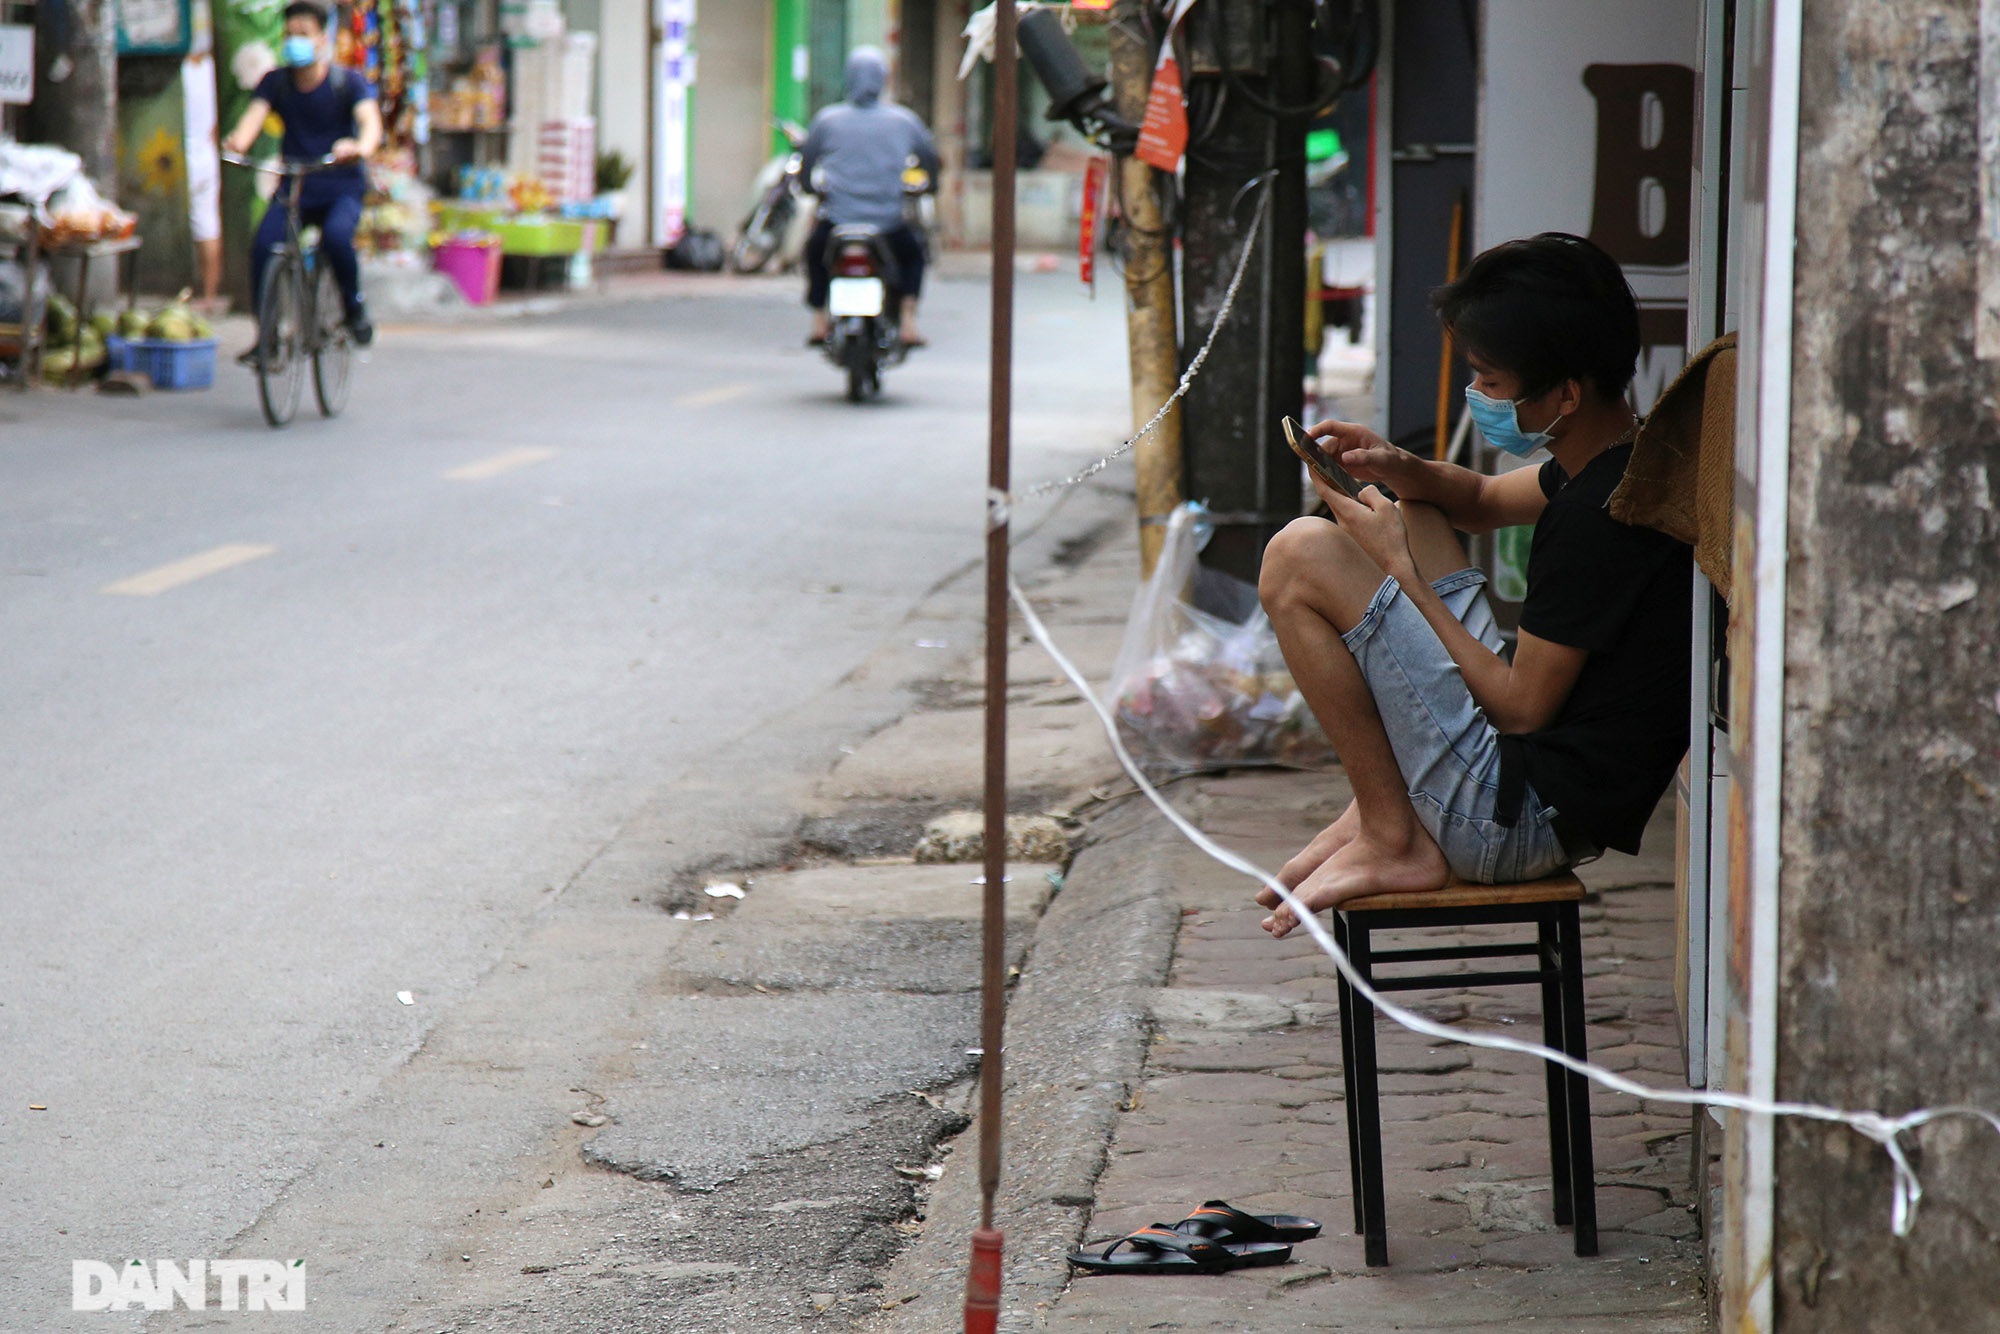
864,304
773,227
865,299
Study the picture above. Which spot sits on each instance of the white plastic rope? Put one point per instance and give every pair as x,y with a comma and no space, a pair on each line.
1886,1131
1187,376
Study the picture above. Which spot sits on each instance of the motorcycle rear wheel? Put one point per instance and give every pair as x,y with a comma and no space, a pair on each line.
864,379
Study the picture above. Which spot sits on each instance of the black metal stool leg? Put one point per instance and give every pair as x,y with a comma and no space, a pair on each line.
1347,1003
1367,1109
1550,953
1583,1172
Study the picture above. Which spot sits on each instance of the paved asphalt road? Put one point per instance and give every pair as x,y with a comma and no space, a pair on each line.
431,657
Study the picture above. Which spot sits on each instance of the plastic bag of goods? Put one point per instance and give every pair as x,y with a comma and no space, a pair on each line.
1200,683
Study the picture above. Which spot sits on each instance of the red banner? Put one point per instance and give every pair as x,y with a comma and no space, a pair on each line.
1094,178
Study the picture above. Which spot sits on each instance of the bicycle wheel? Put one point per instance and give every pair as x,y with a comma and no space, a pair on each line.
333,348
281,366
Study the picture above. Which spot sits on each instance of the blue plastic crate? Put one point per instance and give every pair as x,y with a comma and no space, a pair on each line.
188,365
118,354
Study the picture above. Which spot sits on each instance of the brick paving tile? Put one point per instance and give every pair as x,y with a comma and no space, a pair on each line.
1311,1072
1160,1110
1206,1060
1259,1119
1199,944
1230,1088
1241,974
1324,1113
1676,1222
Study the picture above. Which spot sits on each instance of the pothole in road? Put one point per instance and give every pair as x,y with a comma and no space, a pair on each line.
856,834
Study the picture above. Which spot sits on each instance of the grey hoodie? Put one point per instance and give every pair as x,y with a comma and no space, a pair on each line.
859,148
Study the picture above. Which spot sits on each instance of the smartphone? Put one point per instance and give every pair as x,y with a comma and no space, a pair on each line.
1319,459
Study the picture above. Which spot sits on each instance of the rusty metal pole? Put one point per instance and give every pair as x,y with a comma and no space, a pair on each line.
982,1282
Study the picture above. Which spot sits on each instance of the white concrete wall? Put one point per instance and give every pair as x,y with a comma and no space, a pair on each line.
731,109
868,24
624,46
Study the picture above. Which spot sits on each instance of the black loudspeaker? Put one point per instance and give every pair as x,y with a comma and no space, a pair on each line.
1071,86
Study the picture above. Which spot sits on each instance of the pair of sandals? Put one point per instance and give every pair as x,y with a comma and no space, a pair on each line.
1214,1239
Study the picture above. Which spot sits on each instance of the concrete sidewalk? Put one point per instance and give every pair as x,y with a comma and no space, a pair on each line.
1162,1050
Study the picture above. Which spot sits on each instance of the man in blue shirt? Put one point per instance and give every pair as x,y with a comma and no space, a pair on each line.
326,111
854,158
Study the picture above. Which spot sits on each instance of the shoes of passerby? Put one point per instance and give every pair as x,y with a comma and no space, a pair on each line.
361,329
1218,1221
251,357
1161,1250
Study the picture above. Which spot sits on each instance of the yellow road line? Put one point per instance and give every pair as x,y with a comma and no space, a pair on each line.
213,561
709,397
481,469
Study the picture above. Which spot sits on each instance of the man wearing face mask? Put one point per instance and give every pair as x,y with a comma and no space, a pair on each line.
326,111
1462,761
854,156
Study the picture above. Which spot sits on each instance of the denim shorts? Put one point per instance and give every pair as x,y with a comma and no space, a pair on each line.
1448,752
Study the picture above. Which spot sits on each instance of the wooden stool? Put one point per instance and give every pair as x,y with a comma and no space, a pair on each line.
1551,906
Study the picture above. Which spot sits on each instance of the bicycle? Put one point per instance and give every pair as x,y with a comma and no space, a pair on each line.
300,314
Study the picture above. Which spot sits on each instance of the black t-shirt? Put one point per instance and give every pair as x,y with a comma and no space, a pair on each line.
315,120
1621,593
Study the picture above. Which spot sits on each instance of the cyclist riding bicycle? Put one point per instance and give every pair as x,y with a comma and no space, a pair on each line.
327,111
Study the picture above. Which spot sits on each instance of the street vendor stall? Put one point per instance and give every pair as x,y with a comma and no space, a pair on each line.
533,237
53,221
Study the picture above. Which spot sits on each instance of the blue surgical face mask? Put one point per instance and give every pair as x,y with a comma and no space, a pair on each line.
300,51
1499,421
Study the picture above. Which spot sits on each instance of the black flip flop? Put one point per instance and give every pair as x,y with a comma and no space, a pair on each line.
1220,1222
1161,1250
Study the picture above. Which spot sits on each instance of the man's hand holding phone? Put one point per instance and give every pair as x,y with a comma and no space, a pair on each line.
1370,459
1350,465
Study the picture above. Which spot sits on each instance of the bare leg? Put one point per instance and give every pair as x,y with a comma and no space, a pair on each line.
1315,585
208,267
822,324
909,333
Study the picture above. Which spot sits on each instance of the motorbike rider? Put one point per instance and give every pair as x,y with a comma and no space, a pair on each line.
326,111
859,149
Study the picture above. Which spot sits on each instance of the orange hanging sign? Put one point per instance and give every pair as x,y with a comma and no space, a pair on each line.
1163,134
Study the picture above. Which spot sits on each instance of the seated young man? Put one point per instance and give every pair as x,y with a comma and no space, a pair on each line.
1461,761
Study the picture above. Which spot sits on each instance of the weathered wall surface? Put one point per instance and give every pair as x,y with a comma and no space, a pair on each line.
1890,914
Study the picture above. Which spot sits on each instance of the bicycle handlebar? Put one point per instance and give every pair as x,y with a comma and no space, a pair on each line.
281,167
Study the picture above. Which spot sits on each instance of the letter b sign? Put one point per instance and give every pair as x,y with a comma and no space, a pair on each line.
1645,161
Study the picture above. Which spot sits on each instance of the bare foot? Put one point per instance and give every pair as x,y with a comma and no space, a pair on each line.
1324,844
1367,865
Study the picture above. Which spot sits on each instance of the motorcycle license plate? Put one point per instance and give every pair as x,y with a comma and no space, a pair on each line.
855,296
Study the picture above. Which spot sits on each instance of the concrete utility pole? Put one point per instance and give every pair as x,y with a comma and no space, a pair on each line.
1245,52
1149,290
76,83
1889,915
